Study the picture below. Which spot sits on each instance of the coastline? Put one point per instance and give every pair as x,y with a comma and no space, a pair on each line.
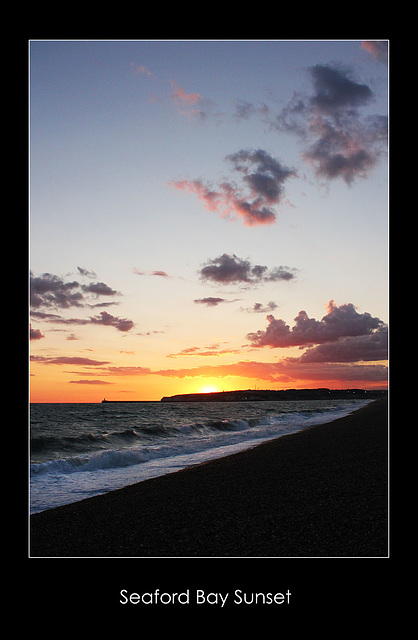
318,492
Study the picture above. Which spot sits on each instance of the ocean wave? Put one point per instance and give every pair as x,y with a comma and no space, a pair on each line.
133,446
141,434
84,441
104,460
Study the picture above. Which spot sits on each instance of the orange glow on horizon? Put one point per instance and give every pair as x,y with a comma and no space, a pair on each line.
48,388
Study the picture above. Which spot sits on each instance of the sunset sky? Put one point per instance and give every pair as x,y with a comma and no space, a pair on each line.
207,216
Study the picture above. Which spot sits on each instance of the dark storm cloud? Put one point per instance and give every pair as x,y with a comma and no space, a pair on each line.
229,269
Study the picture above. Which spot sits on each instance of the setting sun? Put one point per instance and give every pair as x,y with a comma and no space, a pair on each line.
209,388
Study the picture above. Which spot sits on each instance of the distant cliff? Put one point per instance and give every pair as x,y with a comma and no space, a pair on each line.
286,394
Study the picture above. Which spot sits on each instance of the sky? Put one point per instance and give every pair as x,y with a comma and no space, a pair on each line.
207,216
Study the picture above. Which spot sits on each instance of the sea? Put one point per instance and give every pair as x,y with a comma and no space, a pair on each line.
82,450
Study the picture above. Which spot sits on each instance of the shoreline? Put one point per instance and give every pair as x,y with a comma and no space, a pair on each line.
317,492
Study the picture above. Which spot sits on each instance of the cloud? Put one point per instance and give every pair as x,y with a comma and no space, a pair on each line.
340,153
106,319
295,371
335,90
341,143
99,289
86,272
262,183
41,315
258,370
343,335
244,110
179,96
286,371
140,69
191,105
258,307
289,370
210,302
346,146
159,273
264,175
103,318
327,372
128,371
35,334
227,201
94,382
210,351
334,372
229,269
372,346
149,333
86,362
377,48
49,290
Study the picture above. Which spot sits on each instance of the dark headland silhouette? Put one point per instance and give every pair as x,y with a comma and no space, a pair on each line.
255,395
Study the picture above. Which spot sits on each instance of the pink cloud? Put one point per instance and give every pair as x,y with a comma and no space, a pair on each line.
339,322
227,201
140,69
261,184
377,48
181,97
157,272
287,370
